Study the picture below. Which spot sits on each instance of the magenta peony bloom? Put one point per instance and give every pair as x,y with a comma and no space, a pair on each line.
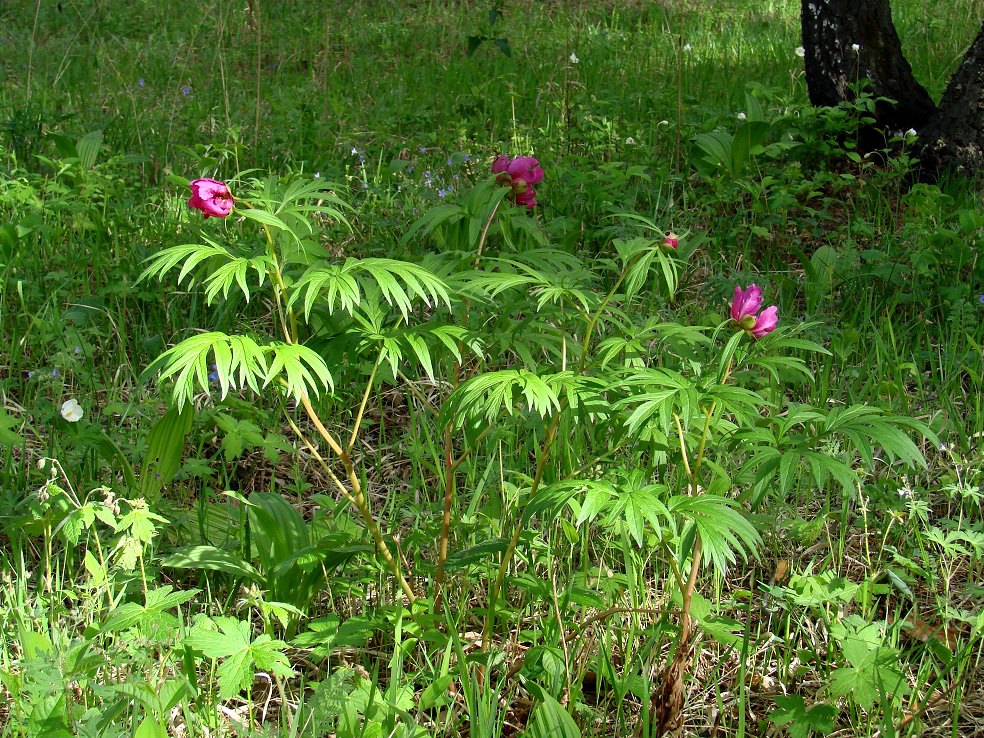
525,169
211,197
744,308
672,241
527,198
766,321
519,174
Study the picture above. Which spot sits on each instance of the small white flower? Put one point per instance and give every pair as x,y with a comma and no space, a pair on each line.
317,175
630,141
800,51
663,123
355,151
687,49
742,116
72,411
911,133
855,48
574,59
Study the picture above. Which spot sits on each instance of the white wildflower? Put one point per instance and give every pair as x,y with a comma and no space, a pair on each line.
800,51
630,141
72,411
856,48
687,49
911,133
742,116
574,59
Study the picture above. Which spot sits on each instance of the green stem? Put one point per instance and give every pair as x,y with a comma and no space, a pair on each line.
450,468
507,556
418,394
485,230
686,623
357,498
601,308
365,399
450,464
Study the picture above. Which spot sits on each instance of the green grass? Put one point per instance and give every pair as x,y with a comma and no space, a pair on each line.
383,99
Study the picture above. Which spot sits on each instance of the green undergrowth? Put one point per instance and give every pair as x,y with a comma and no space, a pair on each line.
384,454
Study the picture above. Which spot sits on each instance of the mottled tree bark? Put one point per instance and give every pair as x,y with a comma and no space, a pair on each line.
954,137
850,40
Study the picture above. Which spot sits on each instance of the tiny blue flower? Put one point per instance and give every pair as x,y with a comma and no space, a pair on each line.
422,149
213,377
467,157
186,90
30,375
427,175
449,161
442,193
980,298
141,82
365,186
55,372
410,169
362,160
78,349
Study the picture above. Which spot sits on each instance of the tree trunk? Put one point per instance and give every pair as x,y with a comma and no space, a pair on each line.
850,40
954,138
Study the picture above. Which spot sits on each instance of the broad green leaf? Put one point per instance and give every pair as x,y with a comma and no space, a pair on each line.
165,447
211,558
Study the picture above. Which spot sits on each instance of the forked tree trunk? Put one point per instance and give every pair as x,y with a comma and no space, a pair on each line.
951,137
954,137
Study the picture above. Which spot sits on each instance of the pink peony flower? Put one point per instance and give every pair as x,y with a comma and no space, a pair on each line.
519,174
525,169
744,308
527,198
672,240
211,197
